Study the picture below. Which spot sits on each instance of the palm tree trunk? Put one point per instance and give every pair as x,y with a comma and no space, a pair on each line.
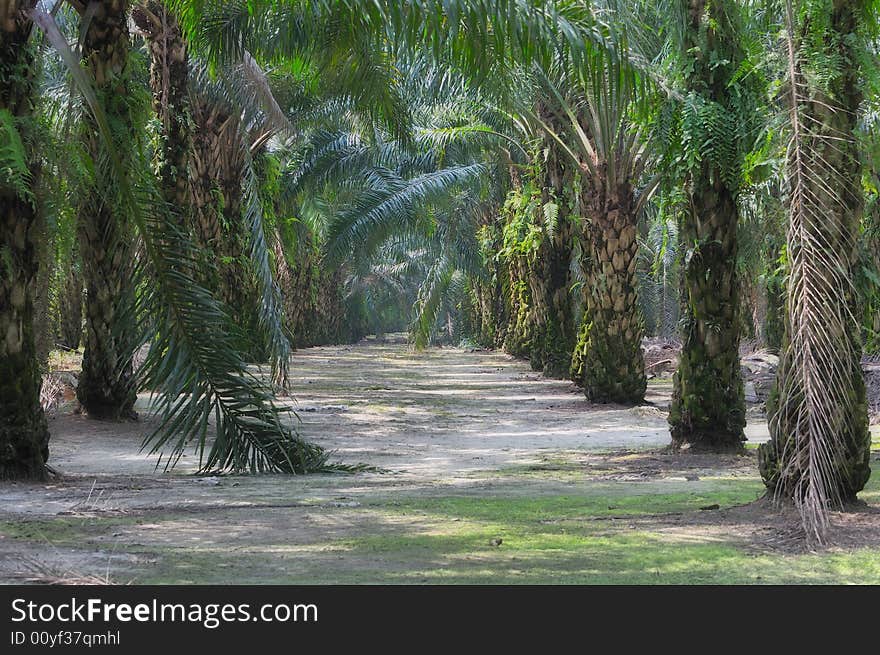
217,168
43,333
206,199
553,330
169,70
490,309
70,302
234,284
518,335
24,435
708,406
873,344
819,452
323,315
611,363
106,386
538,237
299,289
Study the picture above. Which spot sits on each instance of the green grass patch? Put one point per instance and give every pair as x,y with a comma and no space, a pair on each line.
602,533
590,540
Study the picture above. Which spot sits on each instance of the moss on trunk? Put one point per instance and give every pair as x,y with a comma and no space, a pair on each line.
24,435
708,406
539,229
106,386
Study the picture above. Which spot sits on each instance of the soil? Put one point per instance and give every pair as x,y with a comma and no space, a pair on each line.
439,424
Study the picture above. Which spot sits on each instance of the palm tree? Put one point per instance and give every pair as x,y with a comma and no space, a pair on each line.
819,451
106,387
541,234
194,365
220,144
69,304
708,409
24,435
610,149
488,310
169,84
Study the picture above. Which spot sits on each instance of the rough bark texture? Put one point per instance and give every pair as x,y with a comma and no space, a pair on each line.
518,297
326,320
610,364
106,386
43,333
799,416
554,331
70,304
295,284
538,232
708,403
24,435
217,167
168,83
235,288
708,407
490,312
207,201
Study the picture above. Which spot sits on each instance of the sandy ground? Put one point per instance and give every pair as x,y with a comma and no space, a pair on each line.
428,415
472,423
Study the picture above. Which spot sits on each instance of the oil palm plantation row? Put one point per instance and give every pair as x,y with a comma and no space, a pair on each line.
552,179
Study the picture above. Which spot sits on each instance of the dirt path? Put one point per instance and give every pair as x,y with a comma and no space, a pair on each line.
424,415
456,432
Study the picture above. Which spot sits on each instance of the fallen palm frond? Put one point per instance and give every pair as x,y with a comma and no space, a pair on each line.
37,572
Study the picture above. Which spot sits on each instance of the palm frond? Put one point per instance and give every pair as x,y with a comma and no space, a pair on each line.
819,424
269,308
194,367
382,211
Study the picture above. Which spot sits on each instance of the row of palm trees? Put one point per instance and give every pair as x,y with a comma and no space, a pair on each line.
287,172
716,89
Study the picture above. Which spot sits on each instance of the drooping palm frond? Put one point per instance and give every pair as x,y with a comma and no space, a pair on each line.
475,34
269,310
194,367
818,456
197,372
381,211
437,282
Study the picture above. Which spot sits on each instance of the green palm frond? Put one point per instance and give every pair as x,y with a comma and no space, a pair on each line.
271,320
197,373
382,211
194,367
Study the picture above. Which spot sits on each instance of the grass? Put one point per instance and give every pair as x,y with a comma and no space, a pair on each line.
604,534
